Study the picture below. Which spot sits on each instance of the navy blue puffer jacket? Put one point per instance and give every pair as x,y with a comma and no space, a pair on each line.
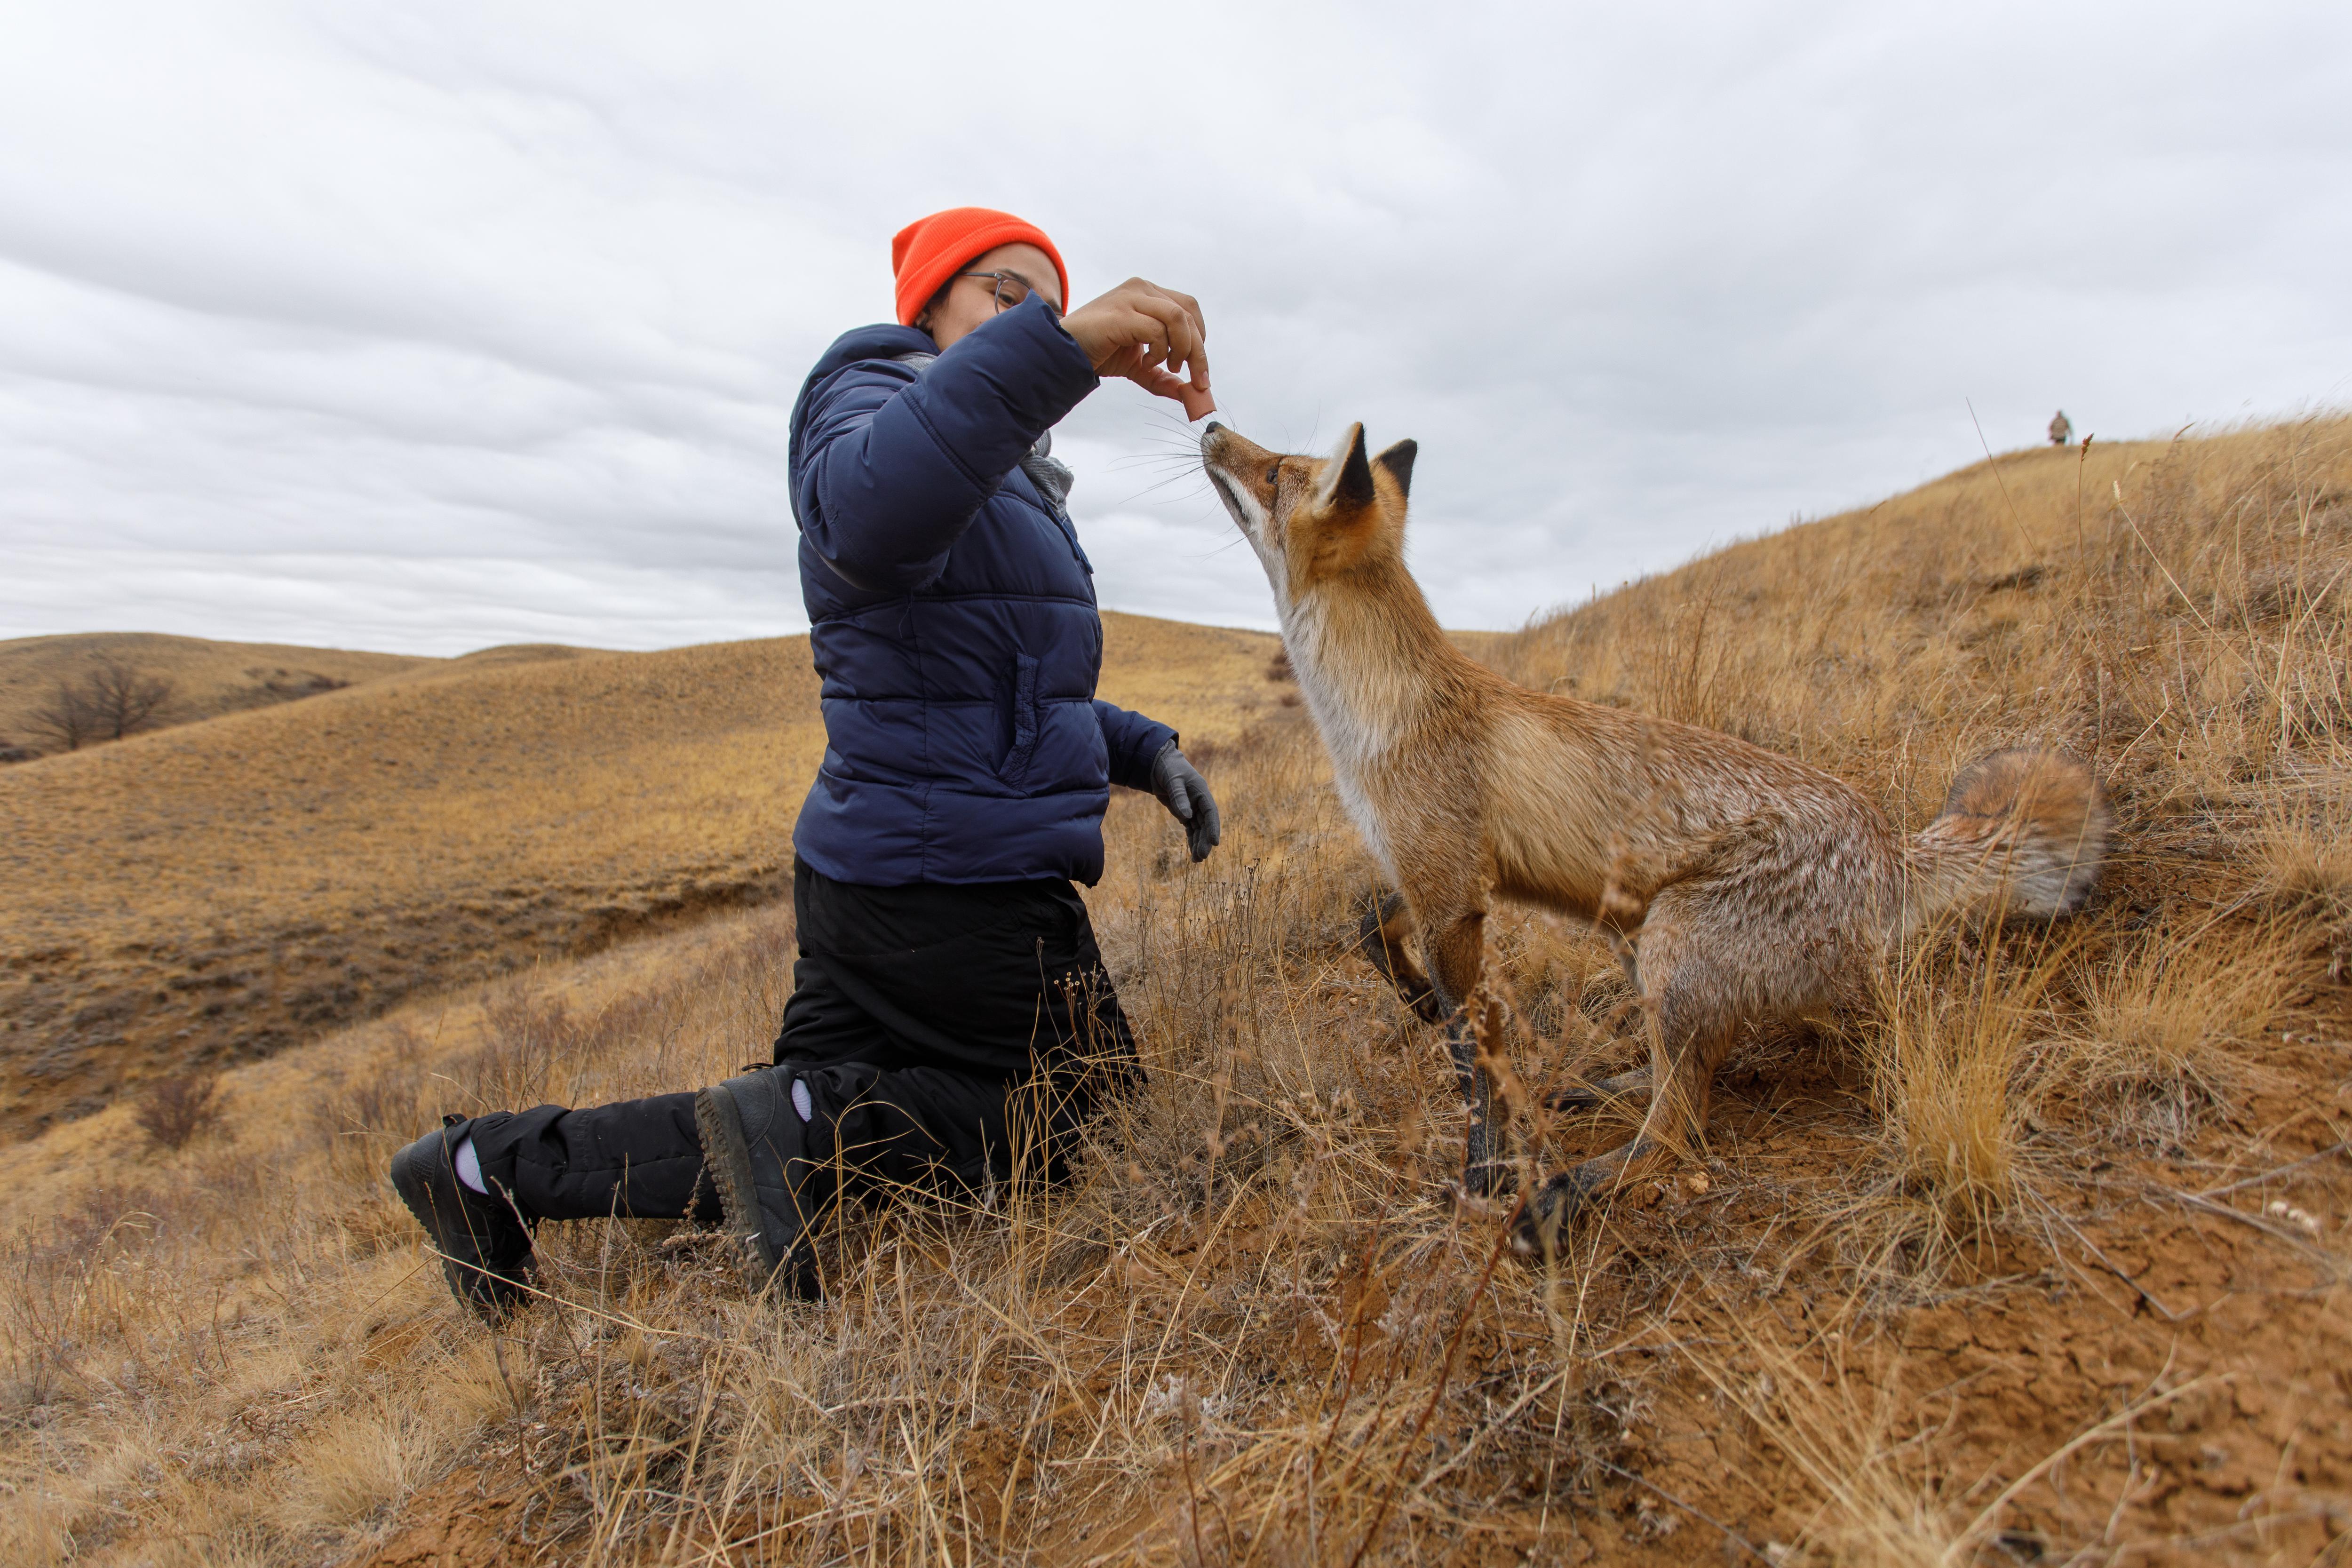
951,615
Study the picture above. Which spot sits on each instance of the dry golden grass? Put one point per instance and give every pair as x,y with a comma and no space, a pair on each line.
1945,1060
2170,1021
1934,1295
2306,855
219,890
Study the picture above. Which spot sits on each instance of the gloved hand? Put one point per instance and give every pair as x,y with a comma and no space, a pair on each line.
1185,794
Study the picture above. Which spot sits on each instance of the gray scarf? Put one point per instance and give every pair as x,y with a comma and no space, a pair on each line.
1052,476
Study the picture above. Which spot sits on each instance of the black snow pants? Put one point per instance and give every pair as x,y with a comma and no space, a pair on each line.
942,1033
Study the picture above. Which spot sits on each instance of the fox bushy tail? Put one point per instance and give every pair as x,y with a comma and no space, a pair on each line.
2022,833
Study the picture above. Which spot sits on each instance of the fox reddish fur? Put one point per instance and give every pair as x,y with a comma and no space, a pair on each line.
1738,885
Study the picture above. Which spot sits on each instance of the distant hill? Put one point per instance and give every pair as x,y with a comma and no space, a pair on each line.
207,678
219,889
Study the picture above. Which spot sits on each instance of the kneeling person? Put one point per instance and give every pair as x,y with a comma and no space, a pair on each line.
951,1023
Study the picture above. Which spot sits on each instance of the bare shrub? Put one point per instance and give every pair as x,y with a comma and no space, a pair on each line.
73,1288
65,720
537,1048
112,699
173,1110
126,699
42,1284
272,686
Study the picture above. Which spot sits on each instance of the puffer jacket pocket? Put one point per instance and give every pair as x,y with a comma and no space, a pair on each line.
1023,728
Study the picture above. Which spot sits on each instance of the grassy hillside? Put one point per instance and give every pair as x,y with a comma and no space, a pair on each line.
206,678
2039,1256
218,891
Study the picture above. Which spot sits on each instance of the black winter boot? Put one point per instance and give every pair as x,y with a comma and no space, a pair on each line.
756,1149
485,1248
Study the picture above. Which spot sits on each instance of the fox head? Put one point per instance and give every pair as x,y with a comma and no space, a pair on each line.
1312,518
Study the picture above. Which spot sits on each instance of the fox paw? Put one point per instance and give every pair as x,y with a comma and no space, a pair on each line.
1543,1225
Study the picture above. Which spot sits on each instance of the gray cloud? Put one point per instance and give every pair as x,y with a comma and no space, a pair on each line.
440,325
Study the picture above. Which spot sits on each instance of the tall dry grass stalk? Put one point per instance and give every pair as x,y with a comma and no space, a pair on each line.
1849,1429
1948,1046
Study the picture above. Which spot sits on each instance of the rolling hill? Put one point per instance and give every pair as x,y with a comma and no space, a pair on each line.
217,890
206,678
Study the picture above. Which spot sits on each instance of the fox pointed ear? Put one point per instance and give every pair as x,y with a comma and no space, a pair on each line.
1347,476
1398,461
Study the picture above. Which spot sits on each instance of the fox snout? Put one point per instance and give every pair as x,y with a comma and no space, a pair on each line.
1342,503
1233,458
1244,476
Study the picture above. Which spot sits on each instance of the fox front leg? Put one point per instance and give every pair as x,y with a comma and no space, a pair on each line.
1483,1169
1455,951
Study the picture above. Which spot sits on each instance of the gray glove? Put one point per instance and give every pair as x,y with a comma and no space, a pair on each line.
1185,794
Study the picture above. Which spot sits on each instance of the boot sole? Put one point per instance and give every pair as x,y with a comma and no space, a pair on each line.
727,1158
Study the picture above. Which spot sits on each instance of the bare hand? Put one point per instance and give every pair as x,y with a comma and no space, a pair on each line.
1146,333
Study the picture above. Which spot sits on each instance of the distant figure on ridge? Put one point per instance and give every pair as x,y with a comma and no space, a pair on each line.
950,1025
2062,429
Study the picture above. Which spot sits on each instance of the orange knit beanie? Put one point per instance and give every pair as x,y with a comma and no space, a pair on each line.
931,250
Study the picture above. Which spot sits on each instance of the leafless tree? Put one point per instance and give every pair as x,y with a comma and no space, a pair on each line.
65,719
110,700
126,699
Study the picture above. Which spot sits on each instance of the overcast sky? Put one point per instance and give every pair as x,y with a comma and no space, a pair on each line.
429,326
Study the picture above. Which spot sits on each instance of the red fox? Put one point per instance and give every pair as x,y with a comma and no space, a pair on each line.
1737,885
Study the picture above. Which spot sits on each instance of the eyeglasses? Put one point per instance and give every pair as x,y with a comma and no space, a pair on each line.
1011,286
